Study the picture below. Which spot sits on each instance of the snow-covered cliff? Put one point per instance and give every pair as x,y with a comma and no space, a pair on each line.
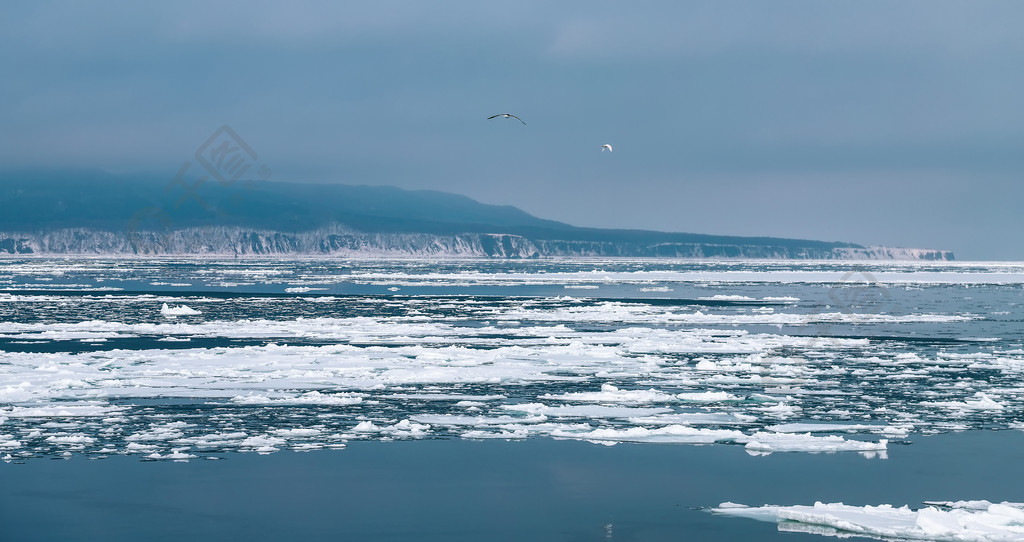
338,240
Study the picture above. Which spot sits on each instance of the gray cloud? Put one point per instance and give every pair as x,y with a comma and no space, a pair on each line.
888,122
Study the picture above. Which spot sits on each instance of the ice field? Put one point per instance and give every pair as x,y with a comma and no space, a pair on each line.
178,359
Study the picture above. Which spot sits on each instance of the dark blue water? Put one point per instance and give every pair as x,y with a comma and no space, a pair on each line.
457,490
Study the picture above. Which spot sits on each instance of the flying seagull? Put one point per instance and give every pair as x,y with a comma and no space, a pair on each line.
606,146
507,116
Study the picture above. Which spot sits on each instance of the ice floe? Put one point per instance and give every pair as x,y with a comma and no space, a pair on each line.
980,401
964,521
611,394
309,398
180,310
676,434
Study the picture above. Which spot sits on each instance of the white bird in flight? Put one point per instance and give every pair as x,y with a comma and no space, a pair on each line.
507,116
606,146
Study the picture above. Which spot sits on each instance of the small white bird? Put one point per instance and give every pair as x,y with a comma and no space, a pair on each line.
507,116
606,146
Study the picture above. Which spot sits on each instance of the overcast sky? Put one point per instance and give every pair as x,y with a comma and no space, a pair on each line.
878,122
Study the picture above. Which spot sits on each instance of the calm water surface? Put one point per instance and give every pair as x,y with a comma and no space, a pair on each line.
458,490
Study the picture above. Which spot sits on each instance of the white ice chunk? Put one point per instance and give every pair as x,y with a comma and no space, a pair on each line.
449,420
67,410
180,310
309,398
177,454
298,432
764,442
514,434
697,418
889,430
74,440
707,396
671,433
159,432
782,410
406,429
366,427
979,521
17,393
7,442
444,397
587,411
262,444
611,394
981,401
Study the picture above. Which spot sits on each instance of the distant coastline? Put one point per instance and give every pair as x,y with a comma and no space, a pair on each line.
96,213
340,242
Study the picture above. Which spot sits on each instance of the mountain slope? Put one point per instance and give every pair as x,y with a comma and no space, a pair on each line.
98,213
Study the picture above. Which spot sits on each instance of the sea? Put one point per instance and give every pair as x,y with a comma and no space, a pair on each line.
583,399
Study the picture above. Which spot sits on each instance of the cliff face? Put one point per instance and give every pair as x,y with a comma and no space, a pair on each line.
98,213
339,240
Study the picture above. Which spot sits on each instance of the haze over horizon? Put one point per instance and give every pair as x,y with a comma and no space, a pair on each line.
877,123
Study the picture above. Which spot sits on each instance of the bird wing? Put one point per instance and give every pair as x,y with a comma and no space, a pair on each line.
506,115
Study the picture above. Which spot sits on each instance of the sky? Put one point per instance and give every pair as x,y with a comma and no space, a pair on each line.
889,122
